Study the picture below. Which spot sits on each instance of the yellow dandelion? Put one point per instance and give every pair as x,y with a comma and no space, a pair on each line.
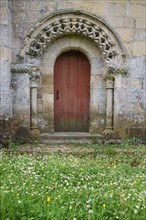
48,199
140,177
58,196
135,182
104,205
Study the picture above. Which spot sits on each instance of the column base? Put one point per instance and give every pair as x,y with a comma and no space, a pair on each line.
34,131
108,131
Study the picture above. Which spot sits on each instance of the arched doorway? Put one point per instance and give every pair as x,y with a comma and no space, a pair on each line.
71,92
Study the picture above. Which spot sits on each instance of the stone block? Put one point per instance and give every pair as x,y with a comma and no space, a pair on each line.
129,22
140,23
6,105
21,112
139,48
139,34
120,95
20,17
65,45
99,8
4,15
94,108
20,86
97,67
136,67
32,17
117,83
125,83
34,6
5,74
74,42
20,5
48,89
134,95
137,11
5,37
46,117
47,80
117,10
47,98
48,107
40,108
129,48
136,83
52,5
125,34
97,123
96,81
5,53
116,22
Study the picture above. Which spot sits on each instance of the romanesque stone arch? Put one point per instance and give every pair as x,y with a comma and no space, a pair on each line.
81,25
73,22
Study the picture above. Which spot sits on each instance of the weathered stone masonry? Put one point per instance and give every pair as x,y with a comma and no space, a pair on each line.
111,35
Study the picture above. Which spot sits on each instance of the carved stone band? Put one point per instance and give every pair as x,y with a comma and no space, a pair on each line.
73,26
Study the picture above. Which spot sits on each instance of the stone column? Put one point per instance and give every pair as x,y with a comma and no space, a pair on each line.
110,104
34,81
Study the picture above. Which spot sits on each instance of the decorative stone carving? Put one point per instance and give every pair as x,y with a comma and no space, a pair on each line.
73,26
20,68
70,22
34,77
122,71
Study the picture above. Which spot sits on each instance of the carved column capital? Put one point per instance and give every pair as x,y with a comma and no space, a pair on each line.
110,82
117,70
34,77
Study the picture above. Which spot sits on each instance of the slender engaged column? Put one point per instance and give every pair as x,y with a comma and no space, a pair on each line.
34,80
109,107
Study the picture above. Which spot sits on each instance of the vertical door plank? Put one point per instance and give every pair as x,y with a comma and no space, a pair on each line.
73,95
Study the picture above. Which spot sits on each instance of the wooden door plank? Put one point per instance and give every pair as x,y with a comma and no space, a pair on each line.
83,93
64,94
73,96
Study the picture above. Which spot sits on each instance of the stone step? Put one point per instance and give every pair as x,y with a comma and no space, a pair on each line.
66,138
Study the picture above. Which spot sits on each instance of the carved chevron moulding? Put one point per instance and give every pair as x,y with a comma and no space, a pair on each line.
76,26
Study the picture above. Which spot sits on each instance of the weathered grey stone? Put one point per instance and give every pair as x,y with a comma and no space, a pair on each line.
20,89
5,40
137,67
37,41
134,95
139,34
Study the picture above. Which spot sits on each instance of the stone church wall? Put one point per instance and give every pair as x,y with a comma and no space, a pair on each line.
127,18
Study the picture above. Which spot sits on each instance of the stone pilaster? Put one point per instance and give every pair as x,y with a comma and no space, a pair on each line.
34,81
5,57
110,105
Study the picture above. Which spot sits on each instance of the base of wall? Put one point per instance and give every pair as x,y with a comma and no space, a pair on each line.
138,133
10,130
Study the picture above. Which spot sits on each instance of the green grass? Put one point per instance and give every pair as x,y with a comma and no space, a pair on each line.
106,185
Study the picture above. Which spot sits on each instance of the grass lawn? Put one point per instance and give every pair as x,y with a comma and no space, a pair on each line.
106,184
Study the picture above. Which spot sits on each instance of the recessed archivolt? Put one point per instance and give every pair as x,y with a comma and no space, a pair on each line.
72,23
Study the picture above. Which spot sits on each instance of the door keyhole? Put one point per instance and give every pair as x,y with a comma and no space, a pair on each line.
57,94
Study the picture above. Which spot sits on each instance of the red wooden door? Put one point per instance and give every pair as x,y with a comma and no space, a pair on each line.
71,92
